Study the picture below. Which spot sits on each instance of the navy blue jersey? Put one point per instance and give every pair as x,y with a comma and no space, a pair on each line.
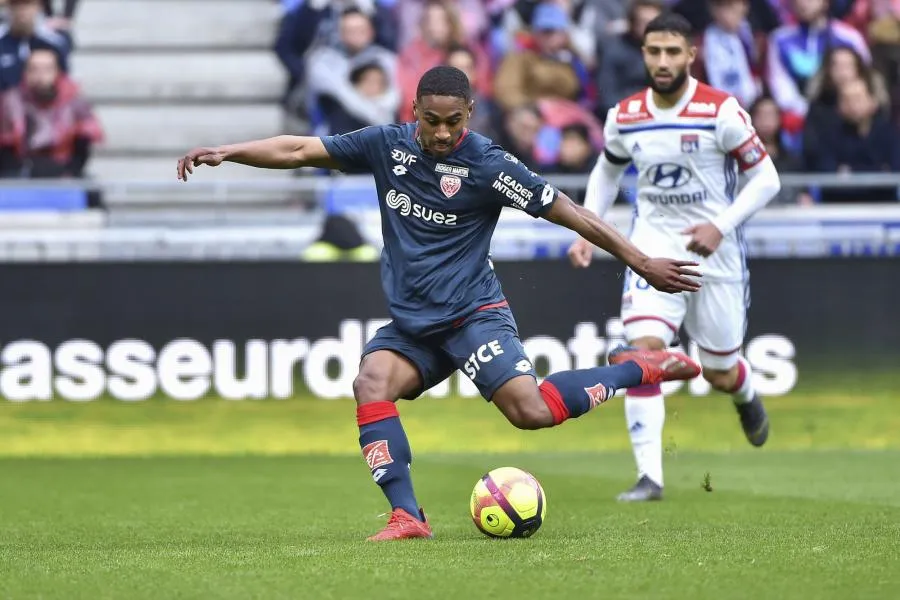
437,219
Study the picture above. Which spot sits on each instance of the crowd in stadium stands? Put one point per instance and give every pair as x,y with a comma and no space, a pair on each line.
821,79
47,127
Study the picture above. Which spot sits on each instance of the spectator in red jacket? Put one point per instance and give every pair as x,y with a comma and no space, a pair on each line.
46,127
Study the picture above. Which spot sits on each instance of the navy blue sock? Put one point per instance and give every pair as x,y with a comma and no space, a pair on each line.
386,450
570,394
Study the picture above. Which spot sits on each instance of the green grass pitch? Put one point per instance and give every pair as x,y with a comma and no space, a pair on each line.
218,499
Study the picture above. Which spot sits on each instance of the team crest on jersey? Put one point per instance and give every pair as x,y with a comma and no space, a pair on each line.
690,142
450,184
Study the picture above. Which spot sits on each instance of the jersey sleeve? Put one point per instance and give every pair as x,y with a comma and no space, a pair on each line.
515,185
614,148
737,137
354,150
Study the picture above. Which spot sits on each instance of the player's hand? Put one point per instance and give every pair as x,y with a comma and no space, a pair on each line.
581,252
705,238
671,276
197,157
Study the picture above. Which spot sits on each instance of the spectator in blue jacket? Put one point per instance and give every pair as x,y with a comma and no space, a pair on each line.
25,32
861,140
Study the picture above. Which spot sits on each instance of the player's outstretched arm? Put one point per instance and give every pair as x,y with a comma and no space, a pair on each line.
662,273
281,152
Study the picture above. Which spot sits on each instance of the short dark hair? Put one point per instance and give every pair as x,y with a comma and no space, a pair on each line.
670,22
579,130
353,10
462,48
356,73
444,81
635,5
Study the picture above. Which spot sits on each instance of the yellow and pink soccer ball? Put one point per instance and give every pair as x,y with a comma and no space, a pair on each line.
508,503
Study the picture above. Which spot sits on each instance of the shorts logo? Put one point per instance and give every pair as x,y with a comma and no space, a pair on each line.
450,185
596,394
377,454
523,366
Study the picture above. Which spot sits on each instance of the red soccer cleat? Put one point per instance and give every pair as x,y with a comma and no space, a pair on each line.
402,526
657,365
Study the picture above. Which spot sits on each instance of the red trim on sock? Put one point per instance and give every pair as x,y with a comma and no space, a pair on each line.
372,412
741,377
554,402
644,391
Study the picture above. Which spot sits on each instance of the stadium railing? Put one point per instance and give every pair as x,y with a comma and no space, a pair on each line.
261,219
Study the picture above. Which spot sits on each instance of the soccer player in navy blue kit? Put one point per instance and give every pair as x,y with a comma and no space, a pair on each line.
441,189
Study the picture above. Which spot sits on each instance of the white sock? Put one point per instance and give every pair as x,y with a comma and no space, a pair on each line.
645,413
743,390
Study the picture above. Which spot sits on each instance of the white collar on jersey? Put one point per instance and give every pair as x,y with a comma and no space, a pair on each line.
679,106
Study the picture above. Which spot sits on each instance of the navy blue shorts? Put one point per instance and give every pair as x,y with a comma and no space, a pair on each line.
486,347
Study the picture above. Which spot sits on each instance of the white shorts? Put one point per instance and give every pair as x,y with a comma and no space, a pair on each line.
714,317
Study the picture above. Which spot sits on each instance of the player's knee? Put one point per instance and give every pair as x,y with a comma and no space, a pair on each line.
530,415
720,380
648,343
370,387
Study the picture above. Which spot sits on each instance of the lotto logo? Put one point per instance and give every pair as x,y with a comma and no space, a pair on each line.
597,394
523,366
377,454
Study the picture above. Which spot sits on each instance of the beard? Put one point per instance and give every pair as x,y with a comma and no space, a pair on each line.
676,83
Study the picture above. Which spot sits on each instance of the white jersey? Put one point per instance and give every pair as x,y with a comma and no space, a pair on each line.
688,158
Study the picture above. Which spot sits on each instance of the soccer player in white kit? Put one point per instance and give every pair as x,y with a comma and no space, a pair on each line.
688,142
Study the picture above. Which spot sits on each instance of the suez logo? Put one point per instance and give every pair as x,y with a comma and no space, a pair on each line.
185,369
406,207
519,194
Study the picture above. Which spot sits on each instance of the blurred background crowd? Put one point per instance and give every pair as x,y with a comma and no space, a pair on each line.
820,78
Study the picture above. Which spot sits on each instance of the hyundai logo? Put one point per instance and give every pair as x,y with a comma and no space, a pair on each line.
668,175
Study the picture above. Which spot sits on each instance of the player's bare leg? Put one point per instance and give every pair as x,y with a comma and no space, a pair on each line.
570,394
737,382
645,415
385,376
